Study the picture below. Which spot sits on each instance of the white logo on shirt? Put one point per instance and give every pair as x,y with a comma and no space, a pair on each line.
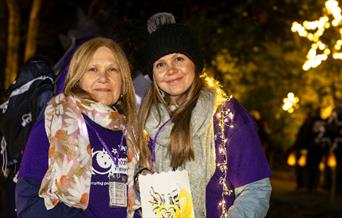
103,164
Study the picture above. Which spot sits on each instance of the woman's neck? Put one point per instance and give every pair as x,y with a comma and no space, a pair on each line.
174,103
177,100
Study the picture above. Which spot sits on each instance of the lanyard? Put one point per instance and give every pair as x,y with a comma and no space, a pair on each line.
104,144
153,144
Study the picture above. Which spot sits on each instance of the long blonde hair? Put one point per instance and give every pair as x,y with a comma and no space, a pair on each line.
181,146
126,104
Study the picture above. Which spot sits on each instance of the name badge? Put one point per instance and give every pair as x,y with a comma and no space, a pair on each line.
118,190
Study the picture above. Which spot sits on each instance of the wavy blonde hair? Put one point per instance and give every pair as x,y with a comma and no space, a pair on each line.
79,62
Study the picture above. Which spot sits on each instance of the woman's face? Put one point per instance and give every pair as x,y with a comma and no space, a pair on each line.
174,74
102,79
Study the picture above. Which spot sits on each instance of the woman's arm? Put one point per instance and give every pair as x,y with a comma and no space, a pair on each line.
251,200
248,168
29,204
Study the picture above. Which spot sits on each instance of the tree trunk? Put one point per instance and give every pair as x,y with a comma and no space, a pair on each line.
31,40
12,42
3,32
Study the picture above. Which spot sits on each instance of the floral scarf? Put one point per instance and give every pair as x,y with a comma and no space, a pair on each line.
70,160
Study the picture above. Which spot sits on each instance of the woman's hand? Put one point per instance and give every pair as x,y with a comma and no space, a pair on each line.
141,171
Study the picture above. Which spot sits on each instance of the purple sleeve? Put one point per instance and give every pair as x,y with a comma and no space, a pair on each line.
35,158
32,170
246,159
29,204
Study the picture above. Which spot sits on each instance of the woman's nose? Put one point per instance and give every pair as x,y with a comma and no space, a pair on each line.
171,69
103,76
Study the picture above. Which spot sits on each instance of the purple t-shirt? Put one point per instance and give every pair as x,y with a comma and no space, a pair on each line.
246,159
35,163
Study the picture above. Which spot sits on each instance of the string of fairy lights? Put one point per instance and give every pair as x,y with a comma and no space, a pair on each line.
314,30
224,117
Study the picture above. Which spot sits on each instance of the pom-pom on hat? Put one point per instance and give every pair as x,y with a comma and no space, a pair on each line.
168,37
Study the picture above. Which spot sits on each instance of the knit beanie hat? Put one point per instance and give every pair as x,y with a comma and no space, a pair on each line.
171,38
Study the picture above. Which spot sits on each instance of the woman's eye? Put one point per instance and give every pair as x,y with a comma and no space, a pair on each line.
92,69
160,65
179,59
112,69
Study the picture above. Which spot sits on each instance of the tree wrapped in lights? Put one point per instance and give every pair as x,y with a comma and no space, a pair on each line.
314,31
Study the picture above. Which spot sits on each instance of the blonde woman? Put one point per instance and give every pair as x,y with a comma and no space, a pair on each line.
79,160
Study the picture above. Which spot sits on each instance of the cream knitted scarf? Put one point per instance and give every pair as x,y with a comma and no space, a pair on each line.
203,167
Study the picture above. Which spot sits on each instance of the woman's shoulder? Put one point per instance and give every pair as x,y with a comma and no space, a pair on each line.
234,110
62,99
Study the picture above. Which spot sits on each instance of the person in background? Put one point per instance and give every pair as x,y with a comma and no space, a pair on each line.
309,147
80,159
193,125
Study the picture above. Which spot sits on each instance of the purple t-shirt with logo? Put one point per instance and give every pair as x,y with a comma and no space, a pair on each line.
35,163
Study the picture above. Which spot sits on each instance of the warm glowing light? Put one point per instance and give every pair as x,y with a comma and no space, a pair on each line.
302,160
291,160
332,160
225,118
326,111
313,30
327,51
337,56
212,83
321,166
290,103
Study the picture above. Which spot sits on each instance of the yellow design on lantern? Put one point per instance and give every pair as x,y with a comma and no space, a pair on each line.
177,204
